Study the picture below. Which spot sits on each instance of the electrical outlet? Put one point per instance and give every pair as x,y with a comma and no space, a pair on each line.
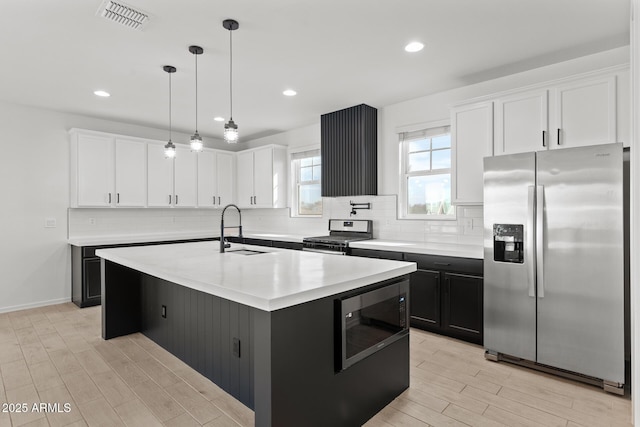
50,223
468,223
92,221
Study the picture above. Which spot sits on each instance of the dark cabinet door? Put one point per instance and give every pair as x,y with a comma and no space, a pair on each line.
462,306
287,245
424,299
91,282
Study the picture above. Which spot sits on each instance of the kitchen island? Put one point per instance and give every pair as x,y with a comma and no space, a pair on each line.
262,323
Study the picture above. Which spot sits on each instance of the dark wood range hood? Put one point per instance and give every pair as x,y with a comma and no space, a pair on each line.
349,148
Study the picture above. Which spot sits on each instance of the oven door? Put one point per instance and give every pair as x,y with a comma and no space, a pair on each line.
372,320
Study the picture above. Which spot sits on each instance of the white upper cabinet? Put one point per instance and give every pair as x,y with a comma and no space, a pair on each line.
521,122
159,177
471,141
92,170
215,179
261,177
576,112
585,113
130,173
185,178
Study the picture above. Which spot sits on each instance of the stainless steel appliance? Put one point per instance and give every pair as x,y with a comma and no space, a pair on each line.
371,320
341,232
554,261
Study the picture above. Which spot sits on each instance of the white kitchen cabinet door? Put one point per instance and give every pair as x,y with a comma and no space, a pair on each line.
186,178
207,194
224,178
244,179
471,141
94,168
131,173
521,122
263,179
159,177
585,113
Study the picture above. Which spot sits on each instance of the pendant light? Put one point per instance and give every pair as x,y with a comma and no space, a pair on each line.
169,148
196,141
230,128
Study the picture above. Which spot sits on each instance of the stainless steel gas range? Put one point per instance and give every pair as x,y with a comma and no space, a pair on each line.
341,232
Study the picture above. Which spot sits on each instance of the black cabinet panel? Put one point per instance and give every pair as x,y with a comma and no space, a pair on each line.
424,299
257,242
287,245
91,267
446,263
463,306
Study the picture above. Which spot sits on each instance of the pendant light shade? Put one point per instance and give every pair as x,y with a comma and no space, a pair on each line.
196,142
230,128
169,148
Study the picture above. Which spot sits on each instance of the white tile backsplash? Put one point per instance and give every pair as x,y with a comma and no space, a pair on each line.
466,229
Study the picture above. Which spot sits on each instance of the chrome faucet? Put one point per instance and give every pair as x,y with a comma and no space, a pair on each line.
224,245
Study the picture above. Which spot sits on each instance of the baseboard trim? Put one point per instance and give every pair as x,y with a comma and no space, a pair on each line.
34,305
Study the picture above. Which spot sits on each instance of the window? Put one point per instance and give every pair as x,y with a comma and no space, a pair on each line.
306,169
426,173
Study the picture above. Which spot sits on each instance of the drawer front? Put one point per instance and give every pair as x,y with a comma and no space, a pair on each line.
371,253
287,245
257,242
89,251
445,263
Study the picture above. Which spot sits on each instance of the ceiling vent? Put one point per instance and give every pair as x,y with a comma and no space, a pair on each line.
123,14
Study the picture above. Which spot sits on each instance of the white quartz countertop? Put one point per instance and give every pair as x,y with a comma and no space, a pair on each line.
443,249
275,279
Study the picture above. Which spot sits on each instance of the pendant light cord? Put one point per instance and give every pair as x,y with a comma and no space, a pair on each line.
196,93
169,106
231,73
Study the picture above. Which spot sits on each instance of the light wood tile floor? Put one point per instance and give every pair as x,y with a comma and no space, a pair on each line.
55,355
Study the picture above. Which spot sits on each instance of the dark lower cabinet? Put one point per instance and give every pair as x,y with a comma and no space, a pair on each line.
424,299
462,303
446,293
85,276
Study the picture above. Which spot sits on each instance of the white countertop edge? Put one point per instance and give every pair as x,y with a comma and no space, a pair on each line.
144,238
427,248
262,303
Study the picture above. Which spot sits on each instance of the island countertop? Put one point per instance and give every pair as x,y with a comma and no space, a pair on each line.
270,280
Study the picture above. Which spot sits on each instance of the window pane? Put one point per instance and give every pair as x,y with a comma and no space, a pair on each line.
441,159
316,160
429,195
316,172
306,161
309,200
442,141
419,162
306,174
419,145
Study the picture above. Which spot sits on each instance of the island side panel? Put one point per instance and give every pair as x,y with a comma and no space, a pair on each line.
296,382
121,299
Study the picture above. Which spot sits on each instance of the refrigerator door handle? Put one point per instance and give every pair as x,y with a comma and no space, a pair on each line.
540,239
530,259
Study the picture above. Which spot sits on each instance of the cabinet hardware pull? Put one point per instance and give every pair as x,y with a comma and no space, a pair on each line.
176,199
442,263
214,200
118,198
558,140
544,144
169,198
255,200
219,200
109,198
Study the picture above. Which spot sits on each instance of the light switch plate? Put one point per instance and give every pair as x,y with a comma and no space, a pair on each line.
50,223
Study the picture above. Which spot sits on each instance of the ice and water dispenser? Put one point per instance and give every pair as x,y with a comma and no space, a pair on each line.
508,243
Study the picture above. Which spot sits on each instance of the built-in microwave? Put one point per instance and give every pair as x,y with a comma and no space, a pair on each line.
369,321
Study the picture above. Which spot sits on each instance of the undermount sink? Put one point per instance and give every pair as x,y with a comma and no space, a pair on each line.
245,252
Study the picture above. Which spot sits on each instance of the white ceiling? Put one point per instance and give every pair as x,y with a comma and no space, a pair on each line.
334,53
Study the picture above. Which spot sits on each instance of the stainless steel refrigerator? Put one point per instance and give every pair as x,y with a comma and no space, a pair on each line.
554,260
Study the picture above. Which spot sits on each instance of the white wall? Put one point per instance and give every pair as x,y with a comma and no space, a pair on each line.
34,171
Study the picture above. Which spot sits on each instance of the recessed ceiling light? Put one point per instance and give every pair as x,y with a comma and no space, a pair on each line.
102,93
289,92
414,47
219,119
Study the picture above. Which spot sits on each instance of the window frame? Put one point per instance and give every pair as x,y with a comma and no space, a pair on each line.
294,174
404,174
